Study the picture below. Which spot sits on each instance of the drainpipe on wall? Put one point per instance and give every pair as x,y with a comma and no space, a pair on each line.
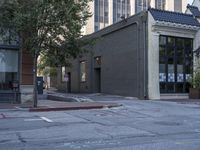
137,35
145,58
92,72
78,70
20,67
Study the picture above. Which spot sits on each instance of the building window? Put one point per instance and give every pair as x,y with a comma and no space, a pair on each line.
98,60
83,71
63,73
178,5
96,5
161,4
121,8
141,5
96,28
175,64
8,68
101,12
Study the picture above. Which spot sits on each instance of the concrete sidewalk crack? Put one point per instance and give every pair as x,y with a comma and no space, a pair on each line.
20,138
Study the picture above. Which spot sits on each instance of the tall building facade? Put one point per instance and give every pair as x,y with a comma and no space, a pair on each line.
107,12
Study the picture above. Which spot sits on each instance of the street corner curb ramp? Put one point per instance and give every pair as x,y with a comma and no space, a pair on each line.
60,98
75,106
68,98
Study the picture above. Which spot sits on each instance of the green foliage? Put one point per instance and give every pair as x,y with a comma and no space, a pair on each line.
48,71
195,79
50,27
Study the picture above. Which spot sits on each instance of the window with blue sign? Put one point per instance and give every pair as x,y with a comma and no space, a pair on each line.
175,64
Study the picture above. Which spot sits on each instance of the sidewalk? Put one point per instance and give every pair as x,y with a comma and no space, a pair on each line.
14,106
53,94
67,97
52,100
50,105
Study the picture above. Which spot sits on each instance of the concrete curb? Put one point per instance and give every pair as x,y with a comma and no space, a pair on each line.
100,106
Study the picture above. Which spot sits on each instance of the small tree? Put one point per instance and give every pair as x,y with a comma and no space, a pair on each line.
195,79
50,27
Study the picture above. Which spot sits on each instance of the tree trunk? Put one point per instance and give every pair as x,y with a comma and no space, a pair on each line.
35,91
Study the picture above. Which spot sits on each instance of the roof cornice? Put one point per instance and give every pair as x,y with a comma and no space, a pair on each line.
175,25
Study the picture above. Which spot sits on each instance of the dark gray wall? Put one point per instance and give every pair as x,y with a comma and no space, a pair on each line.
119,62
123,51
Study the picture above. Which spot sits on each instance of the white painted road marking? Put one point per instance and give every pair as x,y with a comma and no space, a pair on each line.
32,119
46,119
39,119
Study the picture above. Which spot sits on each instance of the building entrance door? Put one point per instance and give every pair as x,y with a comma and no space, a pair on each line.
69,82
175,66
97,79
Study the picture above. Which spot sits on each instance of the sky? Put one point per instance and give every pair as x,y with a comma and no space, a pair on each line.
190,1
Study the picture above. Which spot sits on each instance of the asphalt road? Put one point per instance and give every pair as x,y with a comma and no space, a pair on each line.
137,125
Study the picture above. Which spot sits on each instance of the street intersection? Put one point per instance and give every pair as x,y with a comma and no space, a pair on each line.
137,124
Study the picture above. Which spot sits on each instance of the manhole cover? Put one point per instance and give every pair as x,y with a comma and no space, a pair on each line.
167,123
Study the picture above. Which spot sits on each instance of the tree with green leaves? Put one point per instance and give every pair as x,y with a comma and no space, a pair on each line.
48,27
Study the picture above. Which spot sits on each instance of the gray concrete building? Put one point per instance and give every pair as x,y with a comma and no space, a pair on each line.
145,56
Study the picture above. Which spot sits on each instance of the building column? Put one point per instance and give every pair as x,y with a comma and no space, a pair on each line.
90,26
196,45
153,3
110,12
153,67
184,5
170,5
26,93
26,75
132,3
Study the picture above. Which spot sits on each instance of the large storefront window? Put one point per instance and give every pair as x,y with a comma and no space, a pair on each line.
9,64
175,64
8,68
